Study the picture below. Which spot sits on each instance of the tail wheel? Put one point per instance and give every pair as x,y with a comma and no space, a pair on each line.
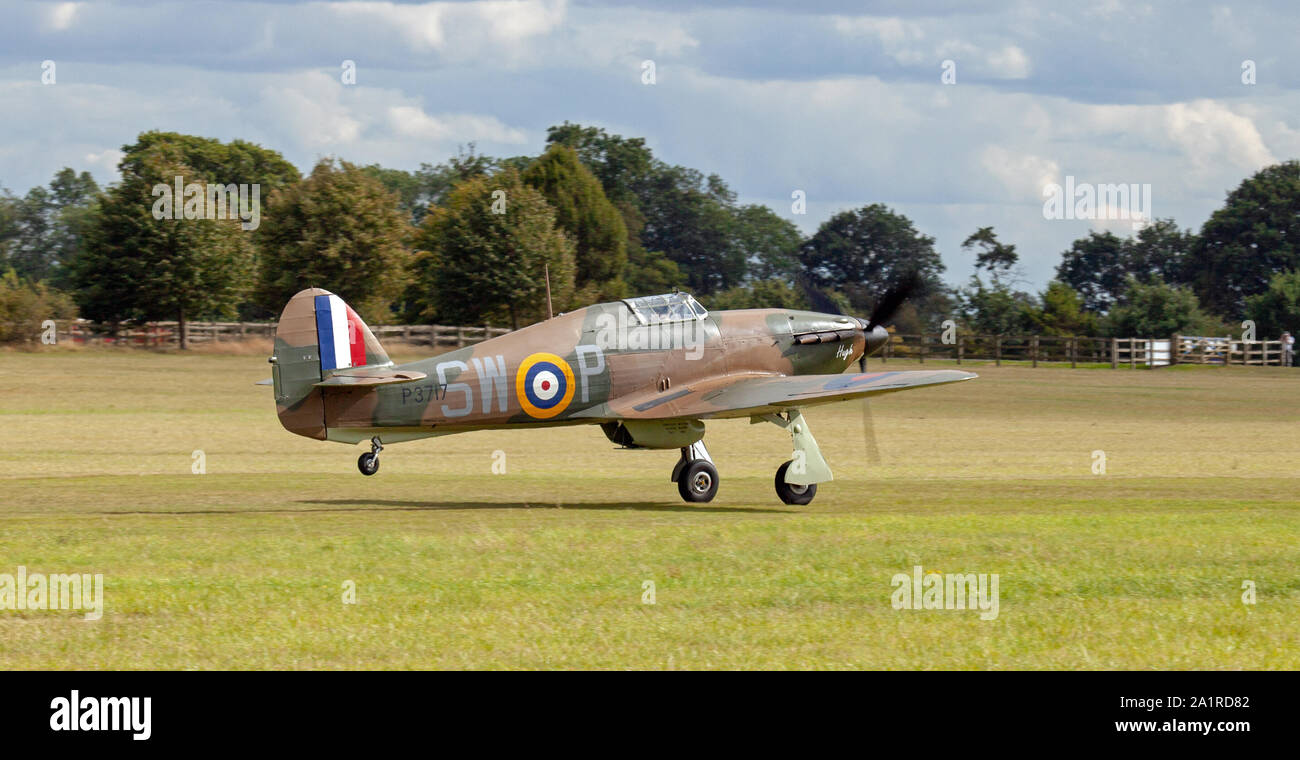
368,463
790,493
698,482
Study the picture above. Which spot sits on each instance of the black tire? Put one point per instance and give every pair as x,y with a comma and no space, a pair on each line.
790,493
368,463
698,482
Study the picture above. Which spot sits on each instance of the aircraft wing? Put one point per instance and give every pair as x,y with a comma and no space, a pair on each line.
748,394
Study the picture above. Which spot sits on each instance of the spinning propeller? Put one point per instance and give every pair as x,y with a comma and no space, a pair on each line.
881,315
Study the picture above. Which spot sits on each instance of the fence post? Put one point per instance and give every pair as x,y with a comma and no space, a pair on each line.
1114,353
924,345
1132,354
961,340
1174,344
997,351
1033,350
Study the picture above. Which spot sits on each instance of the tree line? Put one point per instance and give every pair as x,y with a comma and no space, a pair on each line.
472,239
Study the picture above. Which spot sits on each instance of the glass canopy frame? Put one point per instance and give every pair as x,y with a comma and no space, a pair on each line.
669,307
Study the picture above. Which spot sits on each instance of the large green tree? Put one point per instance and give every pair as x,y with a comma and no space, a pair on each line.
769,243
429,185
1160,249
237,162
773,293
1254,235
8,225
485,253
1277,310
670,212
996,308
24,305
866,252
46,227
1094,268
261,171
583,211
1157,309
341,230
991,254
137,265
647,272
623,165
689,217
1098,266
1061,312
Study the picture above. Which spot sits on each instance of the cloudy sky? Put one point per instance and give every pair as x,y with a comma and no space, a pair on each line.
844,101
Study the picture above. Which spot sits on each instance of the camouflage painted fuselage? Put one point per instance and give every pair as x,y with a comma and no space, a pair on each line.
587,366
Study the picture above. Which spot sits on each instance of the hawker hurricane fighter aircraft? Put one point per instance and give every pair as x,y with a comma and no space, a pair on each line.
648,370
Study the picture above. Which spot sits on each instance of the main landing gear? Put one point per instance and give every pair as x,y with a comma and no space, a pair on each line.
369,463
790,493
695,475
796,480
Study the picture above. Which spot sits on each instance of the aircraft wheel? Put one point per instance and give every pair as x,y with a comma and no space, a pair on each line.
698,482
368,463
791,493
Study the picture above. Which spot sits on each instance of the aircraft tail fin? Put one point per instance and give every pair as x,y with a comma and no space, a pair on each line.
344,340
318,336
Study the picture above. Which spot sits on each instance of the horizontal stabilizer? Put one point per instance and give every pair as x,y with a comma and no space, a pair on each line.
370,376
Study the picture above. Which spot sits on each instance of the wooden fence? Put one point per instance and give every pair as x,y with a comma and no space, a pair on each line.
1117,352
1209,350
166,334
1029,349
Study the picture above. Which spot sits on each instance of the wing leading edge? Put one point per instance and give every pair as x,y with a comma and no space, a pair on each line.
743,395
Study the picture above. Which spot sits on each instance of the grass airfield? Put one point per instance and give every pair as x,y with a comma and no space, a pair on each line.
543,566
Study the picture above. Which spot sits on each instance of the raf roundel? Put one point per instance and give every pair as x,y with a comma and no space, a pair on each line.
544,385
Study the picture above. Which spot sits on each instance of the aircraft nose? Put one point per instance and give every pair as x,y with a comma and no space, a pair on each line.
832,328
877,338
824,328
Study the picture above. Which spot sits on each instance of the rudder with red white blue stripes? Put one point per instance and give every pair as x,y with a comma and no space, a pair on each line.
340,334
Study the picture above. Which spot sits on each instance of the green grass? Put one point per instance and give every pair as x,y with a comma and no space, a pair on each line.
542,567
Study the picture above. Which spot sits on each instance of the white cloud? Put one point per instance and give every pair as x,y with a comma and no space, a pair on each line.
62,15
891,31
105,160
412,121
309,107
898,38
1212,135
1024,175
1009,63
454,25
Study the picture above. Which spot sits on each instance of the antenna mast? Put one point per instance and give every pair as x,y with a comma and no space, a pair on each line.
549,312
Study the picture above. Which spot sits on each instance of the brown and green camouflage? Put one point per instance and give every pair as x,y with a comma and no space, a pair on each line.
597,365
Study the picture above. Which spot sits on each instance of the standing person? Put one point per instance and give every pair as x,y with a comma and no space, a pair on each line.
1288,349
